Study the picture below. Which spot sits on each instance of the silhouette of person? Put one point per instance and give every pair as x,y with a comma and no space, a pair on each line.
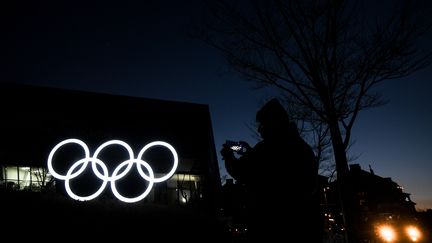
280,174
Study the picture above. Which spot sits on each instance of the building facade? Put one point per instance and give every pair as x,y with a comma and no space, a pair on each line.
104,149
35,119
375,202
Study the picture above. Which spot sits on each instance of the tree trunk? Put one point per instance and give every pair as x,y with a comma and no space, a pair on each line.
344,192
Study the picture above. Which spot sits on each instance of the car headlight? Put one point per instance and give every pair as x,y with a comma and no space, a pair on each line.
413,233
387,233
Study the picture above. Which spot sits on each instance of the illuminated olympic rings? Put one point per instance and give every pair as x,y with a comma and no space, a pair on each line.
79,166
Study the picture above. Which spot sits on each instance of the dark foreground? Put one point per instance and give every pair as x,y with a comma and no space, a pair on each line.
45,217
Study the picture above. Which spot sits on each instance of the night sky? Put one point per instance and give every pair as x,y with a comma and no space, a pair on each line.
146,49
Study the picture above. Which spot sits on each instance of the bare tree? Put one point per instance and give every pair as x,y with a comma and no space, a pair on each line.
44,179
326,56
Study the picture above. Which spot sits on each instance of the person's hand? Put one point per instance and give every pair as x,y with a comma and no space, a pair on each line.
226,152
245,147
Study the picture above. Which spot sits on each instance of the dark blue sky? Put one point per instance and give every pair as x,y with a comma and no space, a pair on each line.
145,50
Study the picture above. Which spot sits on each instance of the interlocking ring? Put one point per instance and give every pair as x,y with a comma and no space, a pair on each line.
79,166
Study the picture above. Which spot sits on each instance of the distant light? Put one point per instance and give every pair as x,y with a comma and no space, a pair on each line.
75,170
413,233
387,233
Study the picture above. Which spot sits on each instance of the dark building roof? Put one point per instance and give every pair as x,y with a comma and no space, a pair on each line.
375,193
381,192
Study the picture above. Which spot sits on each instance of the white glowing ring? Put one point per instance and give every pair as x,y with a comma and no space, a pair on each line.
99,149
69,176
105,177
149,186
175,163
50,157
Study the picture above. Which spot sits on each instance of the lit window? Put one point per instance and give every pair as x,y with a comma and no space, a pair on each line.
27,178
